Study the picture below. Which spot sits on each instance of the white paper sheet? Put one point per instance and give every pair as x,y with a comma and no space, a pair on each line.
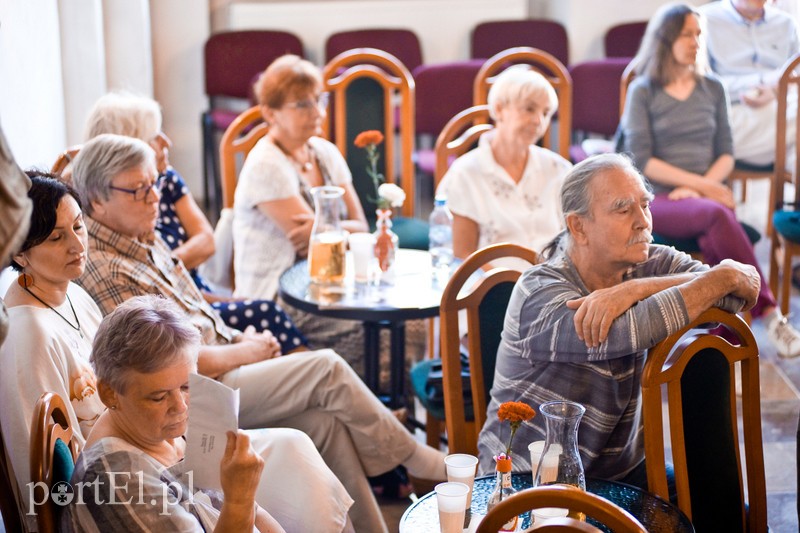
213,411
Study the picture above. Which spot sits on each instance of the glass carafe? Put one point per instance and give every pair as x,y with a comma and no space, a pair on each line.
560,461
326,249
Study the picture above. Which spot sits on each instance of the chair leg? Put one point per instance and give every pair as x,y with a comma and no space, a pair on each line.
744,190
786,280
774,266
433,431
208,147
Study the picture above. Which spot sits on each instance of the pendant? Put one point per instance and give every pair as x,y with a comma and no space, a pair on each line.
307,166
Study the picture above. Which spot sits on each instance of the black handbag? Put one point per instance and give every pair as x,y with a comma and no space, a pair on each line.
434,385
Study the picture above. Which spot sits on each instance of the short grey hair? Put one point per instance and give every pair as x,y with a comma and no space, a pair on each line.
101,160
518,83
576,191
145,334
126,114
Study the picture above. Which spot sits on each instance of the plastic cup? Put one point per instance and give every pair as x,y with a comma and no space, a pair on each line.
451,498
535,448
362,246
542,515
461,468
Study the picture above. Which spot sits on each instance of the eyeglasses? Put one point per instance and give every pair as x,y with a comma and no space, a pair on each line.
140,193
309,104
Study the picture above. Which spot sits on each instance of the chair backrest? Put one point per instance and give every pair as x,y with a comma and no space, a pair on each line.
788,83
10,500
624,81
490,38
442,90
552,69
53,455
485,302
459,136
236,143
607,513
696,367
392,112
623,40
595,91
232,58
402,44
64,159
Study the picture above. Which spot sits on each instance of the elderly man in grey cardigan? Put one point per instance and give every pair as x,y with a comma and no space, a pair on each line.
578,325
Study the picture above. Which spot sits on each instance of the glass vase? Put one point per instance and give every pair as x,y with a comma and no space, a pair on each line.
560,461
385,240
326,249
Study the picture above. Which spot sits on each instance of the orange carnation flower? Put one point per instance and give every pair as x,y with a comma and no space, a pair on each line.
365,138
515,413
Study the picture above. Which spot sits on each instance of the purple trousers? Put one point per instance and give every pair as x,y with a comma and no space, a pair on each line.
718,233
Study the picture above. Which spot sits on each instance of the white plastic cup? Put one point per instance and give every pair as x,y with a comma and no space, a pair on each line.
544,514
461,469
451,498
535,448
362,246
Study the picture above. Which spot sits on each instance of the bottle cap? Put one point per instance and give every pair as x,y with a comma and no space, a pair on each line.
440,200
504,465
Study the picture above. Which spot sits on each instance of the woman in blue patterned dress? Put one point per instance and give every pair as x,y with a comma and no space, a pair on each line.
182,224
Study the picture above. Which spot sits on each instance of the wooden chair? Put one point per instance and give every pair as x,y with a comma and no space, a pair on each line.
459,136
784,215
237,141
53,454
397,86
552,69
696,367
611,515
485,303
64,159
623,40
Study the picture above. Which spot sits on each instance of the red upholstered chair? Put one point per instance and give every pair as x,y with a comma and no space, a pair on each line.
402,44
490,38
443,90
232,60
595,100
623,40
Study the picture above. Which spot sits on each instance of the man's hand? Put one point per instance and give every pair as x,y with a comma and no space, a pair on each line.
759,96
748,282
240,471
301,233
597,311
259,346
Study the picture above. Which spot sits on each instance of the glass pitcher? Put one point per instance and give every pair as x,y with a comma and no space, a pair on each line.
560,461
326,249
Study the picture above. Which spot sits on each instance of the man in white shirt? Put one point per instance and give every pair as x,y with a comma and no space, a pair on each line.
748,44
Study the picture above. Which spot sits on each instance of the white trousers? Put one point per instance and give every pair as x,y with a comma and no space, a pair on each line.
318,393
295,479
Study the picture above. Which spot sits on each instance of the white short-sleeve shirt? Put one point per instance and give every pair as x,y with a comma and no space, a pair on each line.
527,213
262,252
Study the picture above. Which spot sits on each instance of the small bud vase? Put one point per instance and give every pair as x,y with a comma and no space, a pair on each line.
385,240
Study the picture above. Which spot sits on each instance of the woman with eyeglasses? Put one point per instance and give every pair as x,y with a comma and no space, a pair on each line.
273,211
181,223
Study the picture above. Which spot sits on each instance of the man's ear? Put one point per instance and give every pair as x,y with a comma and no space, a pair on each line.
576,225
98,208
107,395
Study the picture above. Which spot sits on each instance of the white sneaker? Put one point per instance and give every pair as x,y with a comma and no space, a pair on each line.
784,337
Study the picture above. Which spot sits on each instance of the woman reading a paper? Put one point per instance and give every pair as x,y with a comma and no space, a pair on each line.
133,453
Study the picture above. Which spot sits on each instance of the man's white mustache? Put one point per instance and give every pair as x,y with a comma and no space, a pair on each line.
645,237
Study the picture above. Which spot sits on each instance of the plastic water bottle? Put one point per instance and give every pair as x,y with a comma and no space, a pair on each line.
441,237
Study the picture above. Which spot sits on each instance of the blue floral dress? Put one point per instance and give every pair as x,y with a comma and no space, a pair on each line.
261,314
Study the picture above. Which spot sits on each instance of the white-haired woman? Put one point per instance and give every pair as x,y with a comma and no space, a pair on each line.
506,190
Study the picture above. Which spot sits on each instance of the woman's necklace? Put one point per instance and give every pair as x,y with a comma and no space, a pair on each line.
303,166
78,328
